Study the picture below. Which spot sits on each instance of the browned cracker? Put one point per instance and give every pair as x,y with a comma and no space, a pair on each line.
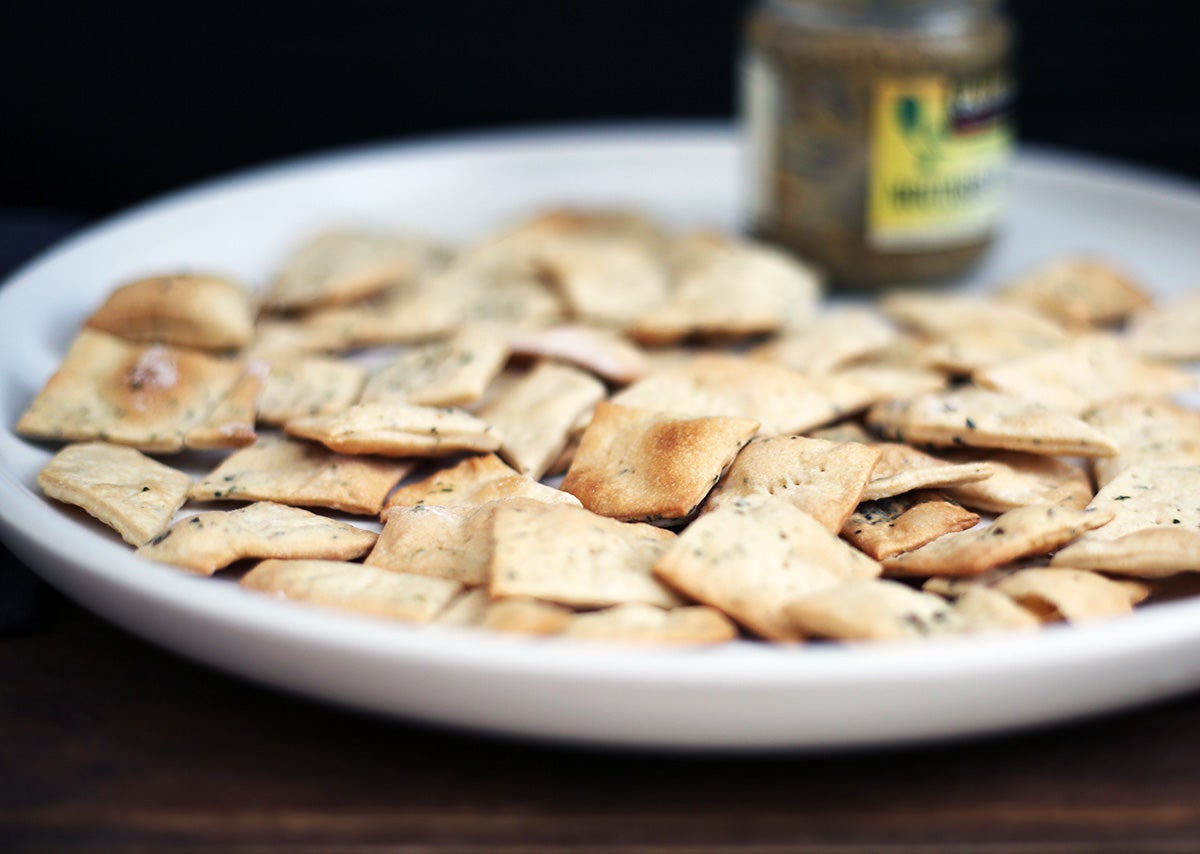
1148,432
184,310
1070,594
729,288
824,479
447,542
780,399
339,267
474,481
902,468
1168,332
637,464
537,414
571,556
1088,371
751,557
230,424
302,474
870,609
603,353
126,490
1019,479
354,587
312,385
444,373
635,623
398,430
888,527
1019,533
1078,292
830,341
1156,526
147,396
209,541
981,418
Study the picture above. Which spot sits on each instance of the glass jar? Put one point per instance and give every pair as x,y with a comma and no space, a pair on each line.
878,133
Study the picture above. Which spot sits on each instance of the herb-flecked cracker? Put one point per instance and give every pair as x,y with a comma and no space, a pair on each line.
1149,432
299,387
871,609
890,526
830,341
302,474
751,557
354,587
1024,532
131,493
474,481
824,479
209,541
150,397
1078,292
571,556
902,468
1156,526
398,430
638,464
455,372
1020,479
980,418
526,617
1070,594
446,542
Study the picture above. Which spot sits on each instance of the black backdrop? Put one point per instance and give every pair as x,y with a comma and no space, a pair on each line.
105,103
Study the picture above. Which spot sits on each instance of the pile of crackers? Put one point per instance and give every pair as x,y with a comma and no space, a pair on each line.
589,426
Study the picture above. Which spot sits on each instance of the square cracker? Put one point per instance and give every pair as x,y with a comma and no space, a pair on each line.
1168,331
603,353
888,527
1090,370
824,479
1024,532
830,341
447,542
751,557
1070,594
526,617
637,464
937,315
1148,432
869,609
150,397
339,267
126,490
1080,293
397,430
538,413
230,424
301,474
183,310
1155,531
474,481
467,609
443,373
354,587
209,541
299,387
729,288
780,399
571,556
974,417
1019,479
903,468
609,281
635,623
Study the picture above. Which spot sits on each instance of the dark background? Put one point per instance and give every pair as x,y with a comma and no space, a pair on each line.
105,104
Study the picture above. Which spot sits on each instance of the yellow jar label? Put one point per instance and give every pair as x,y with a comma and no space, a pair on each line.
940,153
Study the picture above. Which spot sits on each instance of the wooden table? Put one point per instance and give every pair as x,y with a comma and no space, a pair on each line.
108,744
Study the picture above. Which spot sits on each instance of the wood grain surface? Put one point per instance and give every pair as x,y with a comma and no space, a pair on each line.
108,744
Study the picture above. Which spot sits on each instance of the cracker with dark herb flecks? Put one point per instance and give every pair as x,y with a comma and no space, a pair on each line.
474,481
302,474
131,493
455,372
354,587
893,525
902,468
1156,526
571,556
398,430
1024,532
1019,479
639,464
447,542
210,541
1149,432
299,387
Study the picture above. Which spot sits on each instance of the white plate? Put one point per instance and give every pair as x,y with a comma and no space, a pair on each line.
743,696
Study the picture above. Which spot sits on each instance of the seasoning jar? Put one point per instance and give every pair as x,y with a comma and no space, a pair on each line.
878,133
